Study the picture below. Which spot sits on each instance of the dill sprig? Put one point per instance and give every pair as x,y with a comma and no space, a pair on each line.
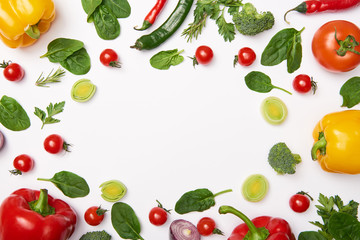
51,78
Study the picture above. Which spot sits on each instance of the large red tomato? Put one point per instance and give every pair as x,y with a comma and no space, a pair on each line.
326,47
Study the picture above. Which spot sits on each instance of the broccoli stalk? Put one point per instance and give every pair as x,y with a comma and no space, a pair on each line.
282,160
96,235
249,22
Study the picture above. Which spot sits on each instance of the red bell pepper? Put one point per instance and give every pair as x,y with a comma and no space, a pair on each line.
259,228
35,215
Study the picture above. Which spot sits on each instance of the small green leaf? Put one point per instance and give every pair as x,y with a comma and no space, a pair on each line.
227,30
350,91
51,111
260,82
120,8
89,7
61,48
165,59
106,23
12,114
78,63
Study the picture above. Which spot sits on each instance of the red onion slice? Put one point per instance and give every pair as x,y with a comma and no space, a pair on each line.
2,140
183,230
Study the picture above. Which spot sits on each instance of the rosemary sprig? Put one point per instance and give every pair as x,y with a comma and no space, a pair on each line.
51,78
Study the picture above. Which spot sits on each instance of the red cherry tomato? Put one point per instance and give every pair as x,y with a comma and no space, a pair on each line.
109,57
207,226
203,55
246,56
23,163
302,83
300,202
158,216
94,215
54,143
13,71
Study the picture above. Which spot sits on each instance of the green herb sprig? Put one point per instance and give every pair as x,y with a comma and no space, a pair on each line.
51,110
50,78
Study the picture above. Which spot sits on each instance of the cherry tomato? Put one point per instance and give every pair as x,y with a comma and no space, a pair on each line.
54,143
300,202
325,44
302,83
13,71
203,55
207,226
158,215
109,57
22,163
94,215
246,56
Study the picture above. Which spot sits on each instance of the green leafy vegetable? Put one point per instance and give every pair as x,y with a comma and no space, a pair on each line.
282,160
51,110
61,48
51,78
120,8
78,63
89,7
165,59
106,24
125,221
96,235
12,114
350,91
339,220
249,22
70,184
260,82
197,200
284,45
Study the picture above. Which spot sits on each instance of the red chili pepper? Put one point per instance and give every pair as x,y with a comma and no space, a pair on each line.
34,215
152,15
323,5
260,228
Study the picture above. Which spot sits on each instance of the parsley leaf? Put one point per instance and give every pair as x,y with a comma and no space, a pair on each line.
51,110
227,30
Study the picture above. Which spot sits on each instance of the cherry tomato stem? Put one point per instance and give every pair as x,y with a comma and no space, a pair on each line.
109,57
22,163
94,215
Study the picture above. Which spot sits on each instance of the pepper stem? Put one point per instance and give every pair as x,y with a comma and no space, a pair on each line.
319,145
254,233
41,205
33,31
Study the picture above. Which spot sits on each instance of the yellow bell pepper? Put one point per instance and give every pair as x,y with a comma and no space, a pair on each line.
22,21
337,142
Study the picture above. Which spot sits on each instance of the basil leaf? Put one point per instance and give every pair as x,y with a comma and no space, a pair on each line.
61,48
106,23
125,221
311,235
70,184
89,7
12,114
295,55
350,91
165,59
260,82
277,49
344,226
197,200
78,63
120,8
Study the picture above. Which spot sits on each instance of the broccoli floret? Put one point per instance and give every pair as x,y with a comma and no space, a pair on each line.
282,160
249,22
96,235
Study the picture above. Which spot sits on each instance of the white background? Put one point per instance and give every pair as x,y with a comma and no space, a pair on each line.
163,133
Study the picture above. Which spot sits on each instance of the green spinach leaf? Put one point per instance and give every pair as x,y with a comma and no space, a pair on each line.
350,91
120,8
12,114
260,82
61,48
89,7
125,221
343,226
311,235
165,59
70,184
284,45
197,200
106,23
78,63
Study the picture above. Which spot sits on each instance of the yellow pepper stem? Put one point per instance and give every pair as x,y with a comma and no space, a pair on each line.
33,31
319,146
